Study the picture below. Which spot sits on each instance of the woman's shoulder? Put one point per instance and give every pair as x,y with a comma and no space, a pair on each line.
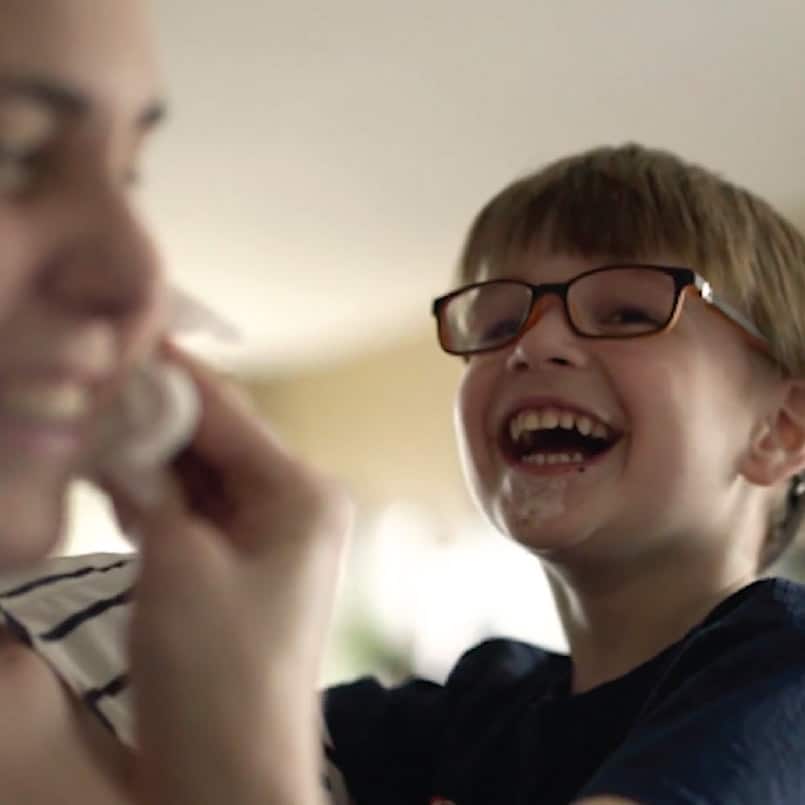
49,742
73,613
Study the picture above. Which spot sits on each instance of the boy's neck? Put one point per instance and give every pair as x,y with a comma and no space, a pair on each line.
617,622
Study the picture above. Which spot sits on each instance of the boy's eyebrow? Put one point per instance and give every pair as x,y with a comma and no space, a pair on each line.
68,101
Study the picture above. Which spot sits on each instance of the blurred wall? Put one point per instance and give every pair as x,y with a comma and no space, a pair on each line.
382,421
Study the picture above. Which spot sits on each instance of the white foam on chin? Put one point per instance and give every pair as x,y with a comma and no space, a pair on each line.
532,501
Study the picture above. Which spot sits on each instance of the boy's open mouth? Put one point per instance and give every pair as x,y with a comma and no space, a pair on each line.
555,437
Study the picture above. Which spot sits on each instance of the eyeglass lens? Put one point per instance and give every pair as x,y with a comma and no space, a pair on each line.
616,302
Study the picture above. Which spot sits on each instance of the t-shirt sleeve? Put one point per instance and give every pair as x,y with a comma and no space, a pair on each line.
382,741
732,733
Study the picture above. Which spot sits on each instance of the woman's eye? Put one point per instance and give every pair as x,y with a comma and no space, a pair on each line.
18,168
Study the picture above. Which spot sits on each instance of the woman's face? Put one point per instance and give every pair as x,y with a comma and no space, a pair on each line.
81,291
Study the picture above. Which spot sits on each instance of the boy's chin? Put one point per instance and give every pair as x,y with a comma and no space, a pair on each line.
546,542
32,523
550,534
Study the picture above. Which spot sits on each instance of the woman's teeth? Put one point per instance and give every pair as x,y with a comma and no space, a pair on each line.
554,458
53,403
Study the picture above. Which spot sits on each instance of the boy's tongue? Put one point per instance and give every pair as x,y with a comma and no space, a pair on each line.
558,441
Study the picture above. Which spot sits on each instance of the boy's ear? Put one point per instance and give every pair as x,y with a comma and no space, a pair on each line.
777,448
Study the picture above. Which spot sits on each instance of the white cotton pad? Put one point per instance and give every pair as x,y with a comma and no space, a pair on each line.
154,418
156,414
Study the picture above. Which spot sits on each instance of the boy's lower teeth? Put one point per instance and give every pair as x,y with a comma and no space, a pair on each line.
554,458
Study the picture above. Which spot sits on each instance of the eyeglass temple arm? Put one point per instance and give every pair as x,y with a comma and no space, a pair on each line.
726,309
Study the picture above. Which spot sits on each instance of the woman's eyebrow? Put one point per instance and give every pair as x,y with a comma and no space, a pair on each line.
66,100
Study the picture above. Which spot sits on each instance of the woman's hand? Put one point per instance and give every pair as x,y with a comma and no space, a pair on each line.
240,563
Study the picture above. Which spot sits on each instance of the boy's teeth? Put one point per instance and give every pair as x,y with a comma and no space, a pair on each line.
599,432
58,403
550,418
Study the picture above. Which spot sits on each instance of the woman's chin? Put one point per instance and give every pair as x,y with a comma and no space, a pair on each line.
32,524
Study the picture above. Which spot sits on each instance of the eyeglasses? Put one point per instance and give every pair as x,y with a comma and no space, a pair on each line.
615,301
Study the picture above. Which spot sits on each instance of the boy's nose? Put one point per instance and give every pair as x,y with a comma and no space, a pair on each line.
543,307
547,337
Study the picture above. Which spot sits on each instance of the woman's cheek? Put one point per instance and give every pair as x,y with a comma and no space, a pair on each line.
16,263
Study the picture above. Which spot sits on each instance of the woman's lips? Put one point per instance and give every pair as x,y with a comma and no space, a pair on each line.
45,413
21,435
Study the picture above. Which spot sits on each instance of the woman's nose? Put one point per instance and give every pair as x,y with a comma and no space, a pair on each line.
107,265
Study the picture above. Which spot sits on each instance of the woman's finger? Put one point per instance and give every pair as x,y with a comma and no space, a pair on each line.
231,436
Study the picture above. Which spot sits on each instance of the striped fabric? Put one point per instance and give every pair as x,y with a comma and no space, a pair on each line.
75,612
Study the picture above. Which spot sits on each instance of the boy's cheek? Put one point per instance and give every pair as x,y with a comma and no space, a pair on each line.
464,409
472,445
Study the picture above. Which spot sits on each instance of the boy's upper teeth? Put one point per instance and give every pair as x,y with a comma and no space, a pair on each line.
549,418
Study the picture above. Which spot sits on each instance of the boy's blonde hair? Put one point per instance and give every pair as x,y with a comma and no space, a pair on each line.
633,202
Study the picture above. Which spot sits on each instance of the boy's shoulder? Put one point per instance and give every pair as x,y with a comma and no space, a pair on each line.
753,640
768,612
765,610
721,710
772,599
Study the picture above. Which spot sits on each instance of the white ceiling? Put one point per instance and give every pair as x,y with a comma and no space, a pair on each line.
323,159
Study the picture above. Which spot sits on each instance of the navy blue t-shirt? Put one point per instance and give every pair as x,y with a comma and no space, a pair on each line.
715,719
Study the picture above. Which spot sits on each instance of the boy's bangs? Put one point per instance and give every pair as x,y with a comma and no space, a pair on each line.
637,204
595,206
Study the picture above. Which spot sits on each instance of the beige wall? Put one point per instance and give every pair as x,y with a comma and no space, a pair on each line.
382,422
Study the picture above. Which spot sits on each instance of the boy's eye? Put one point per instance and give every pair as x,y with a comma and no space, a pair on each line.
501,329
631,315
